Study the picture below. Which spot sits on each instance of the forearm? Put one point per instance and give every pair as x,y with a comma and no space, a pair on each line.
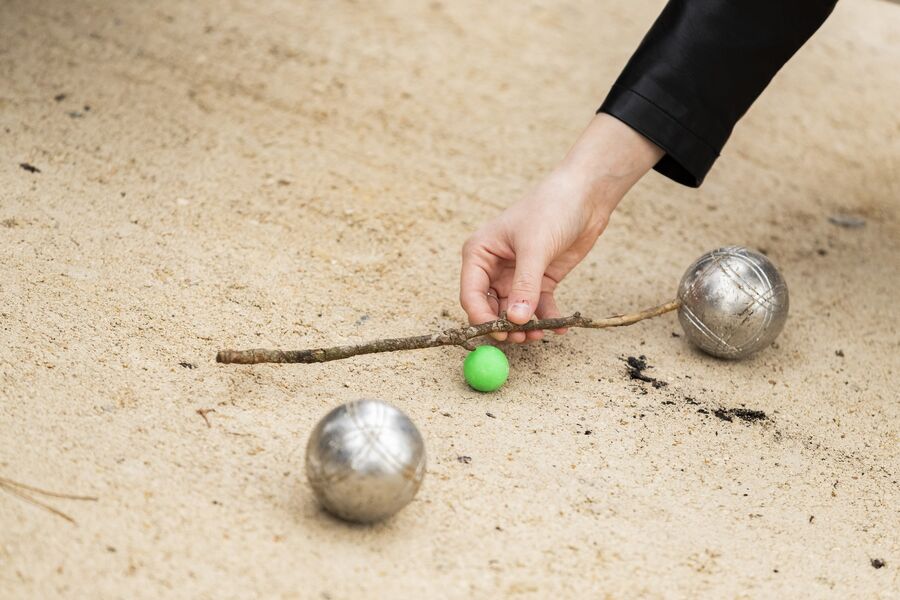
607,160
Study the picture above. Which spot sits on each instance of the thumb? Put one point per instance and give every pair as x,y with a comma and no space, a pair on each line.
526,288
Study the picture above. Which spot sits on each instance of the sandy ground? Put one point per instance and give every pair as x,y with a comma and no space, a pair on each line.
292,174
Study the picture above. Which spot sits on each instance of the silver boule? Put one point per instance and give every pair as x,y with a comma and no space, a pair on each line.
734,302
365,460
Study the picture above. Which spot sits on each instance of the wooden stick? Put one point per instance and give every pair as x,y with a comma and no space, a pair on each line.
450,337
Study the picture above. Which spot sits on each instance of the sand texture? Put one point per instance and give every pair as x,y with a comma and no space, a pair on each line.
290,174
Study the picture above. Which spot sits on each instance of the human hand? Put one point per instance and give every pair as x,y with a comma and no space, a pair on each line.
514,262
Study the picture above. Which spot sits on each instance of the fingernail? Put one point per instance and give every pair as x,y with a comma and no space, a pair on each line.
520,310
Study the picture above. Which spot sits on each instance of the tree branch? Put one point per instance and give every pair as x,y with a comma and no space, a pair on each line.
450,337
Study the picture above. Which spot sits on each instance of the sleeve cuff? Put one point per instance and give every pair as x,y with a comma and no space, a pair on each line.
688,157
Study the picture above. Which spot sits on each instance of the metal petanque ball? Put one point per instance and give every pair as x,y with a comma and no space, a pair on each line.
734,302
365,460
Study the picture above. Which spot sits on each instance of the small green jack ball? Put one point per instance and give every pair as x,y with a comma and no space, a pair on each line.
486,368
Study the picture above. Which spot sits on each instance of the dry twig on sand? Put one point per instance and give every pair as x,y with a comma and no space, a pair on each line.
24,491
450,337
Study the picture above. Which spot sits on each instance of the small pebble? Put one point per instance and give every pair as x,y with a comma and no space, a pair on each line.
848,221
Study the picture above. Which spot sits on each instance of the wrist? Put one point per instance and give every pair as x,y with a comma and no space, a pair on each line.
595,192
607,160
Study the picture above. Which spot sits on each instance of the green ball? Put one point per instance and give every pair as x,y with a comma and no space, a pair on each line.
486,368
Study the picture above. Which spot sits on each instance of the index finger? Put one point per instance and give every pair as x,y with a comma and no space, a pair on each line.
474,283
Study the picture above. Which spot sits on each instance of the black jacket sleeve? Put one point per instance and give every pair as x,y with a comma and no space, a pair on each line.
700,67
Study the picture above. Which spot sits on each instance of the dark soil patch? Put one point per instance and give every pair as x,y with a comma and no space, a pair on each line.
745,414
636,367
723,414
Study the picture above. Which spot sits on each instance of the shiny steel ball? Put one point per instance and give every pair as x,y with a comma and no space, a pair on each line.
365,460
734,302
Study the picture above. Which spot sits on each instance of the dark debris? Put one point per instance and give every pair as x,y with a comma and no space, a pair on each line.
745,414
723,414
636,368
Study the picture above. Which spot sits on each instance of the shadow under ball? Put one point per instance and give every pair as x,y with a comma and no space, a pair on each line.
365,460
734,302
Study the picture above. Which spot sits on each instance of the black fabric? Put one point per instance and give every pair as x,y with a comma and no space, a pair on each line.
699,69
